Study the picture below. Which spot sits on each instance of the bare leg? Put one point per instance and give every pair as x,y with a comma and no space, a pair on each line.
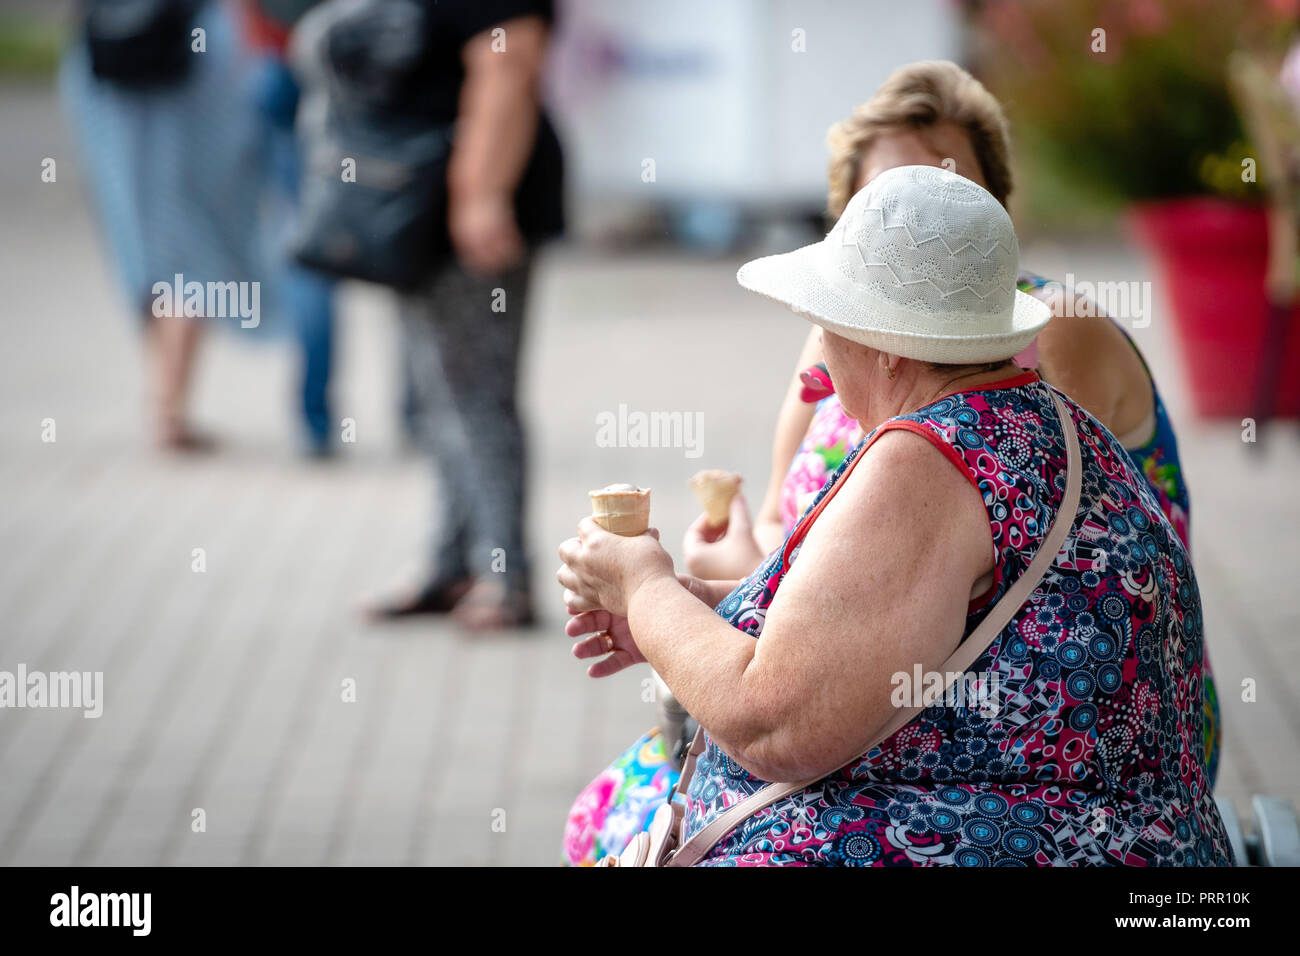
173,346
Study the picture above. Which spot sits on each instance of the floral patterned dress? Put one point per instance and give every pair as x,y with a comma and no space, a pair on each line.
618,804
622,800
1094,752
832,433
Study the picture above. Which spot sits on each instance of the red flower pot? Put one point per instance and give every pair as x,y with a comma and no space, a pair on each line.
1213,257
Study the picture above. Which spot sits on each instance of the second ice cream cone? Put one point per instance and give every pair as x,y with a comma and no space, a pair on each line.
715,489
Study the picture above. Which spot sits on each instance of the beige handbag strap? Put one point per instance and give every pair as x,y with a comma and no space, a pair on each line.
967,653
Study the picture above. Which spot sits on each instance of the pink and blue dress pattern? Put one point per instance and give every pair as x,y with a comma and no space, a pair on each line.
1094,750
832,434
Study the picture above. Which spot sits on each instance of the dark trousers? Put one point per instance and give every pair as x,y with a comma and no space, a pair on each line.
461,343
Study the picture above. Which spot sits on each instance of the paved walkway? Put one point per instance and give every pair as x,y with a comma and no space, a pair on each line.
224,690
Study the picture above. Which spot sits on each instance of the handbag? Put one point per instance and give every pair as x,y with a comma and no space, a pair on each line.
386,223
664,844
389,225
139,42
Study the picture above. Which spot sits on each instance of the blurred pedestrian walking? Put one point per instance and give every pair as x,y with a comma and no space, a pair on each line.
157,93
308,296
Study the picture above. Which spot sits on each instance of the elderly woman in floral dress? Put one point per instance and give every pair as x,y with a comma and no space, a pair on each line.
933,113
1092,752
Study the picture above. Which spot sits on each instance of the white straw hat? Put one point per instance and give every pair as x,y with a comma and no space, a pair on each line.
922,264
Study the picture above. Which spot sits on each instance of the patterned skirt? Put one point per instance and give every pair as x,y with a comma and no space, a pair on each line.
175,171
619,803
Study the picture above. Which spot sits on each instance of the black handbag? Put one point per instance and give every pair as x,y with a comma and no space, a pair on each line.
363,79
139,42
373,202
389,226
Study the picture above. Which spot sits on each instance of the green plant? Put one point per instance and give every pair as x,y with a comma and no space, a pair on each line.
1128,100
29,46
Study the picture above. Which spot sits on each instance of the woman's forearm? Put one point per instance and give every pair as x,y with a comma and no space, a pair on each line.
703,659
711,592
792,423
769,535
498,112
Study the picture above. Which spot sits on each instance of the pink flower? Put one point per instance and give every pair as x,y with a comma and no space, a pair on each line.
587,816
1284,9
1146,17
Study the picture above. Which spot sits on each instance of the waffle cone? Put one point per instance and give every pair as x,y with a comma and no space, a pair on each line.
716,489
621,509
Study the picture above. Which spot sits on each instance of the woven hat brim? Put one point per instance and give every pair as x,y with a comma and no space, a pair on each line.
792,279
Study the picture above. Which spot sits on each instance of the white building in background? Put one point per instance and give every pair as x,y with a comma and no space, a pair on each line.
724,100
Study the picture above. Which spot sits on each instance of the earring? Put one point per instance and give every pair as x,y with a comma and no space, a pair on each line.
890,372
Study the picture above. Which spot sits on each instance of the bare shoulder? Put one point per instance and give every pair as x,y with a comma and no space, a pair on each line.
900,459
1089,358
908,496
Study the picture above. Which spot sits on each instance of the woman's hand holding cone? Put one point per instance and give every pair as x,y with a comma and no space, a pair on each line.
602,570
724,553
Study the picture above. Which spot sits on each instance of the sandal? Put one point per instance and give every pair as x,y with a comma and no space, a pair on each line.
436,597
176,436
490,606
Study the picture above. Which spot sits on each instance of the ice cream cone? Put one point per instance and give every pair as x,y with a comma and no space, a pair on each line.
715,489
621,509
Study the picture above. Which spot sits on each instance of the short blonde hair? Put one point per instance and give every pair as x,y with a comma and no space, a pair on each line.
917,96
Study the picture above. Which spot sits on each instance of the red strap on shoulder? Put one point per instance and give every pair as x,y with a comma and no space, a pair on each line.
801,529
903,424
